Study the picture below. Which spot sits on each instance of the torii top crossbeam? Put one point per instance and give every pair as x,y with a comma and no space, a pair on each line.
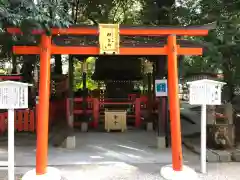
123,31
129,30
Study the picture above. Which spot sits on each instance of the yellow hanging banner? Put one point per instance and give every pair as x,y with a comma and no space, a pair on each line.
109,38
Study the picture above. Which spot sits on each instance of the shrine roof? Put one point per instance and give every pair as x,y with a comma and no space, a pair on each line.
203,81
198,74
14,83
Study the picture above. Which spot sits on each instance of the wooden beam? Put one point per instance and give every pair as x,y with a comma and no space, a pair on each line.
10,77
26,50
162,32
78,50
127,31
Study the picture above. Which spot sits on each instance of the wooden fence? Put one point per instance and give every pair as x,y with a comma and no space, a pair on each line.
25,120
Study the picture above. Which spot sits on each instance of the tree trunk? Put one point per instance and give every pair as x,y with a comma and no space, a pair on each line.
28,67
161,69
27,73
58,64
228,96
228,91
14,64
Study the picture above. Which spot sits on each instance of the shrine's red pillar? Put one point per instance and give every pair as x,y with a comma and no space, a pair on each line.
176,142
43,111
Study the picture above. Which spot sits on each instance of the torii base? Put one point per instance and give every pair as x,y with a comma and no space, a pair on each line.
52,174
168,173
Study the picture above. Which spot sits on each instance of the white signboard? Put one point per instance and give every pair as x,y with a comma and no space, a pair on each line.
205,91
161,88
13,95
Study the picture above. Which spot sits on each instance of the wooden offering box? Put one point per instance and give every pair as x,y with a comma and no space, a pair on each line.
115,120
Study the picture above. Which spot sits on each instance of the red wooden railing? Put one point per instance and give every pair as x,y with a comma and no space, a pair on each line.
25,120
94,105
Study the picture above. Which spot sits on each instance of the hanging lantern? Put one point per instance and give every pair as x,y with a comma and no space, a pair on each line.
148,67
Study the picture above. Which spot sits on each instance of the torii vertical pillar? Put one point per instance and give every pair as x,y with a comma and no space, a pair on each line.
42,171
176,171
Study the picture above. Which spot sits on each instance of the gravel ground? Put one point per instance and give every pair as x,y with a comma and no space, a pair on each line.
222,171
122,171
144,172
228,171
135,159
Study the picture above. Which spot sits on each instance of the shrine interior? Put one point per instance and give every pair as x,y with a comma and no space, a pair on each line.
119,96
122,76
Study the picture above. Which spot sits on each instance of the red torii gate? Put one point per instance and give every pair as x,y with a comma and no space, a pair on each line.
171,49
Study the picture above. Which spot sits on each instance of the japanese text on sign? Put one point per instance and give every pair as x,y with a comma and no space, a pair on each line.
206,92
109,38
13,95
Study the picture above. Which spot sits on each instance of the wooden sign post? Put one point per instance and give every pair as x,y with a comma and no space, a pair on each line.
13,95
205,92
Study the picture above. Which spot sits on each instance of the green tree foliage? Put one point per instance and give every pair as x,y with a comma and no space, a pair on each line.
29,15
222,44
78,70
40,14
107,11
157,12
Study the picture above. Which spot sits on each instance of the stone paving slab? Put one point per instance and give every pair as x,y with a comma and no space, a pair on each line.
236,155
212,155
224,156
95,148
194,147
